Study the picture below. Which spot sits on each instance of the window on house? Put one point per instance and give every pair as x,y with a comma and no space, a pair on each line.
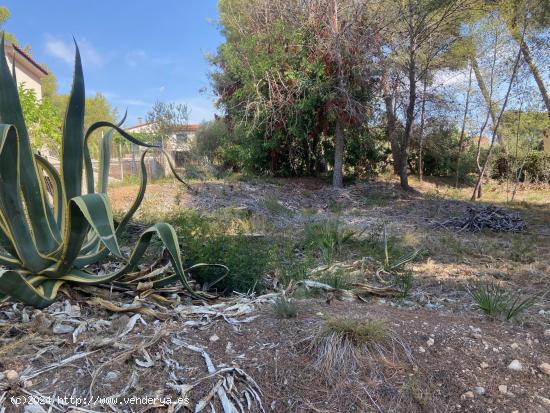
181,138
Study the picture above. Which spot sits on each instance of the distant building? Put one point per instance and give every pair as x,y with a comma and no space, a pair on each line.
27,71
483,141
177,144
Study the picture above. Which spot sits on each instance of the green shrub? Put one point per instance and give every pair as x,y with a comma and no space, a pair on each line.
225,239
327,238
246,257
288,262
535,167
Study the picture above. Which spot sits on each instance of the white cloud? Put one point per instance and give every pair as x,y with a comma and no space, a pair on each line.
58,48
65,51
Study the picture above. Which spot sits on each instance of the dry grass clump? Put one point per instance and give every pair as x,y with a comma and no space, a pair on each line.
344,345
359,332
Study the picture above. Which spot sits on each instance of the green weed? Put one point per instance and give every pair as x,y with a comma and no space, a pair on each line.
498,302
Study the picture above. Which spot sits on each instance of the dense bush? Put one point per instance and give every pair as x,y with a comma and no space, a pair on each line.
535,167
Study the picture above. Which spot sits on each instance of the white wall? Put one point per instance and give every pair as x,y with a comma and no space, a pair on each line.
25,77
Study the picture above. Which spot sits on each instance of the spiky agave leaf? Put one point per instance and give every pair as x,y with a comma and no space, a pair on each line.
46,235
46,244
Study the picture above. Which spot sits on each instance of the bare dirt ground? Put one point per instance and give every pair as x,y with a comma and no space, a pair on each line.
451,357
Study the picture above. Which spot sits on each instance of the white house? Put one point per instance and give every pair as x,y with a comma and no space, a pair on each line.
177,144
28,72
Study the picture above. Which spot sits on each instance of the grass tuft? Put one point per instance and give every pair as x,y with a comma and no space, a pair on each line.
285,307
359,332
498,302
342,344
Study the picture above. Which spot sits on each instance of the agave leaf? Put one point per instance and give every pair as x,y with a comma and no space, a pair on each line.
168,236
88,160
9,261
97,211
18,230
73,135
85,258
85,212
173,169
55,179
16,284
105,159
39,213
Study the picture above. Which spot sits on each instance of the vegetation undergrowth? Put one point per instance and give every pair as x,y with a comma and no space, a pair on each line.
500,303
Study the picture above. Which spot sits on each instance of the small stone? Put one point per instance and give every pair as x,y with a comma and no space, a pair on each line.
515,411
515,365
503,389
112,376
468,395
479,390
484,365
27,384
11,376
515,346
547,332
213,338
59,328
545,368
430,342
421,349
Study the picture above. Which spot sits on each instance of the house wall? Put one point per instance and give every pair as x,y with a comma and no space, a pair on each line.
26,77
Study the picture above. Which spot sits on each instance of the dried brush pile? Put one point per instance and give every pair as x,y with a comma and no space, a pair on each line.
478,218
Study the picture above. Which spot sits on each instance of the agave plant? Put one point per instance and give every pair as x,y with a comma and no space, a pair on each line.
52,239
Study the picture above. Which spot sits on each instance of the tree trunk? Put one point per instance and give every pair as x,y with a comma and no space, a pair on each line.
463,130
392,133
338,176
533,67
406,139
486,96
422,113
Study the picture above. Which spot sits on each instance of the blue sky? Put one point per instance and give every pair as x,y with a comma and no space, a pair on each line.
134,52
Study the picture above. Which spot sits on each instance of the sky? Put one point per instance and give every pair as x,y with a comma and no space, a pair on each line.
134,52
